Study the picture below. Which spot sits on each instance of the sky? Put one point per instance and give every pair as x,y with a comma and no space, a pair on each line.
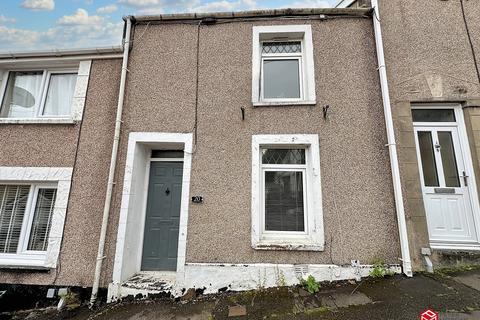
27,25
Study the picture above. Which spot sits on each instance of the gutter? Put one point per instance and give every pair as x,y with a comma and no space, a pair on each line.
113,162
288,12
62,52
392,146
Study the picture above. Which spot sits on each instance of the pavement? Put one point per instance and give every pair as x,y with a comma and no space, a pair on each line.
453,295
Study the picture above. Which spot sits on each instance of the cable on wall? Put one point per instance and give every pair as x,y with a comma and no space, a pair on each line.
470,40
58,270
195,126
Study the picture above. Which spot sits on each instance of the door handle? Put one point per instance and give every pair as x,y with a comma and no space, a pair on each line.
464,176
167,192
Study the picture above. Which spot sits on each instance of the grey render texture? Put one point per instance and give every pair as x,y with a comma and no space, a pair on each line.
421,38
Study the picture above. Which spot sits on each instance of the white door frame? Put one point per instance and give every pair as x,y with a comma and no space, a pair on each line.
136,176
468,165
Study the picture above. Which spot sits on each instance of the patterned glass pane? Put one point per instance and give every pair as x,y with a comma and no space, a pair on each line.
42,220
13,201
284,201
283,156
282,47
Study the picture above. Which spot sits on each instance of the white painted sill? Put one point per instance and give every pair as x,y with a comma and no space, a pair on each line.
287,246
37,121
23,261
283,103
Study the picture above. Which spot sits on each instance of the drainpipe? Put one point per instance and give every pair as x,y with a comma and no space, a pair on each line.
392,147
113,163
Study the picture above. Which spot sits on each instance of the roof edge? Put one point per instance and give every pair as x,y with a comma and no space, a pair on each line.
255,14
62,52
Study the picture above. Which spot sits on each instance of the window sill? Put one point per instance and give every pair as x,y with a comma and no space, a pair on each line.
37,121
283,103
288,246
23,261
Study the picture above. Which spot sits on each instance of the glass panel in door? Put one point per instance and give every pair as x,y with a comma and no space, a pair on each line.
449,161
430,175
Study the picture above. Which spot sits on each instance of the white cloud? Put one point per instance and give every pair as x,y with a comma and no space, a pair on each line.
4,19
107,9
309,4
80,17
11,39
224,5
38,4
171,6
79,30
61,37
140,3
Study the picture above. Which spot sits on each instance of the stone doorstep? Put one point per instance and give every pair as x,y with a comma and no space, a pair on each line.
146,284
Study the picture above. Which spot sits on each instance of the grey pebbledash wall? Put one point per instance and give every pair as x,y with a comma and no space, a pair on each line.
56,145
359,214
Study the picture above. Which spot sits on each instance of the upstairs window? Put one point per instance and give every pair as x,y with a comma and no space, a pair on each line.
281,70
282,65
34,94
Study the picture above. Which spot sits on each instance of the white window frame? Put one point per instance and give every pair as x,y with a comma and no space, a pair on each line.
285,33
82,69
312,239
38,178
282,56
28,216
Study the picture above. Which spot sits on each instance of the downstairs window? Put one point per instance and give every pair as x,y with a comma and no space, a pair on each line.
286,196
25,219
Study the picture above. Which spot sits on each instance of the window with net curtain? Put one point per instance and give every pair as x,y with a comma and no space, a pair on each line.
15,213
38,94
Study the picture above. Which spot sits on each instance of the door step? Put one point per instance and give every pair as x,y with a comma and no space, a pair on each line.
447,258
145,284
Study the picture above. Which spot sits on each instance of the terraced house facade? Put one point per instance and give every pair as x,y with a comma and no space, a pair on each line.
237,150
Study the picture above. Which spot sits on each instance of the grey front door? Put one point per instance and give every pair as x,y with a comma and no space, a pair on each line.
160,240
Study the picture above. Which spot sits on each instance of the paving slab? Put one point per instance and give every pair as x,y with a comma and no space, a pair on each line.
471,279
342,300
459,315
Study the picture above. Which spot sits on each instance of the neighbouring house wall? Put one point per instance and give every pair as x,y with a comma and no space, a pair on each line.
358,205
56,146
428,59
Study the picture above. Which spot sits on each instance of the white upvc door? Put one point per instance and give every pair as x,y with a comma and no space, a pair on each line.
445,185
